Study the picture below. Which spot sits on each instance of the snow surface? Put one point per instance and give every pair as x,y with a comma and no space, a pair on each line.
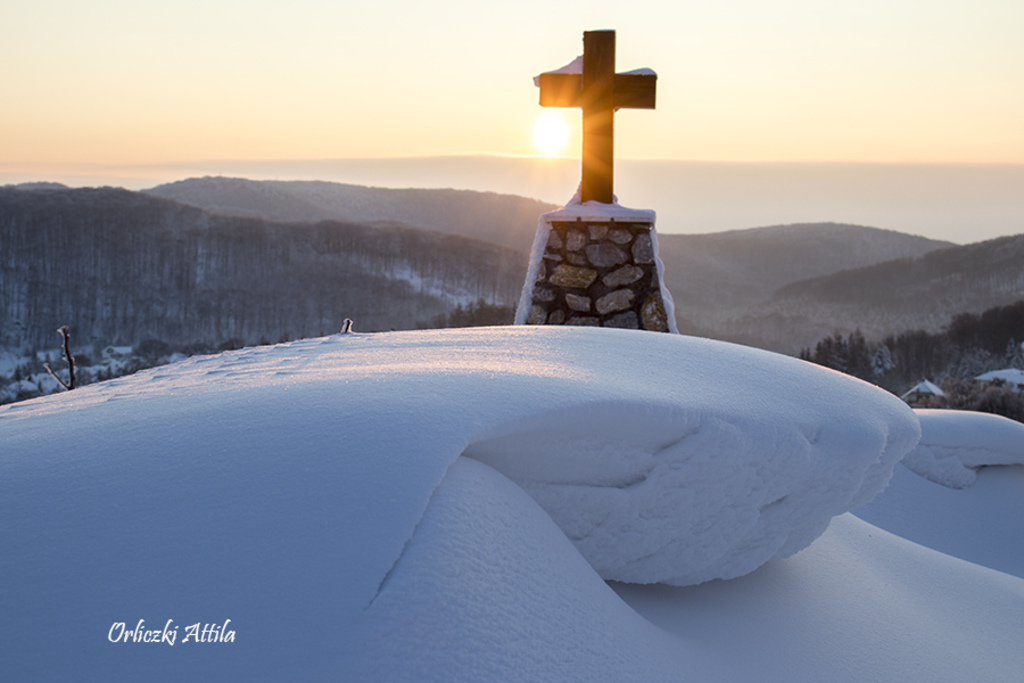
961,490
859,605
313,493
980,523
955,443
112,360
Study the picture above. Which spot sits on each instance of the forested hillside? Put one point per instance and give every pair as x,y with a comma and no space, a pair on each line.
892,297
717,278
126,268
121,267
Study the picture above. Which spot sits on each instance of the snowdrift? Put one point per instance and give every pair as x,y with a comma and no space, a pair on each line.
437,505
955,443
961,490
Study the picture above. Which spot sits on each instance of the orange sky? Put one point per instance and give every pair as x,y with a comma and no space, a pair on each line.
127,82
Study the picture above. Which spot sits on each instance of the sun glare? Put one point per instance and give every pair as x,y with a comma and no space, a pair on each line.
550,133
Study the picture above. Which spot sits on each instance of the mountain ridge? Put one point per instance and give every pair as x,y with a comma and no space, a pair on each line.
505,220
918,293
778,287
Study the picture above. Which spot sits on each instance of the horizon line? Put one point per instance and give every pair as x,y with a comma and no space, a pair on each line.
9,166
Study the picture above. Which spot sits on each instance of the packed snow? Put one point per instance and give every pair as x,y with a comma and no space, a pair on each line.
961,490
724,458
859,605
955,443
980,523
316,495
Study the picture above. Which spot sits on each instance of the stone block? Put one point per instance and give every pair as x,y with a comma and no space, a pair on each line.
538,315
605,255
619,300
575,240
653,314
620,236
597,231
572,277
577,302
623,276
643,249
543,295
624,321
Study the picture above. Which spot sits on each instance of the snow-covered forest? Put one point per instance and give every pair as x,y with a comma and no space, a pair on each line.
968,347
120,267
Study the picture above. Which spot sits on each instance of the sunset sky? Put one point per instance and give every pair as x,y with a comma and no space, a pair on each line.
141,81
440,94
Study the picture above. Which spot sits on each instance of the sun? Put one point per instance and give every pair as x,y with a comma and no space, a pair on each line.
550,133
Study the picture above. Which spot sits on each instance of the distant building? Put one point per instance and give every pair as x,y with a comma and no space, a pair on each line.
1013,377
920,391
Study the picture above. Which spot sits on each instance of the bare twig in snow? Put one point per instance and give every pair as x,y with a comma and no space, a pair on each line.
68,358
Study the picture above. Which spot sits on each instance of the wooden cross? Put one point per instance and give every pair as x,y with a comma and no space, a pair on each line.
599,91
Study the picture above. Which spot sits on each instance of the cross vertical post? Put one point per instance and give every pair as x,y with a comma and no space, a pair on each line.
598,170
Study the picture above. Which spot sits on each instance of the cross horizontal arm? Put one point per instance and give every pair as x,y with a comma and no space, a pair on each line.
635,91
631,91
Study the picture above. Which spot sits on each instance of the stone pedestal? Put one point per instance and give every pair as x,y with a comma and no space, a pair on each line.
596,264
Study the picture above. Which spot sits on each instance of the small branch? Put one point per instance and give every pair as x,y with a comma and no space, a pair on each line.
67,356
66,336
53,374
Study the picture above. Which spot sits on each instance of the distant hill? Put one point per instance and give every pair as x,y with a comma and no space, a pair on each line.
893,296
121,267
504,220
36,186
716,277
713,277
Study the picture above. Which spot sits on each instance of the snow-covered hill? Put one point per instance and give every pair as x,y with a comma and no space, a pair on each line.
444,505
738,268
920,293
502,219
122,267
